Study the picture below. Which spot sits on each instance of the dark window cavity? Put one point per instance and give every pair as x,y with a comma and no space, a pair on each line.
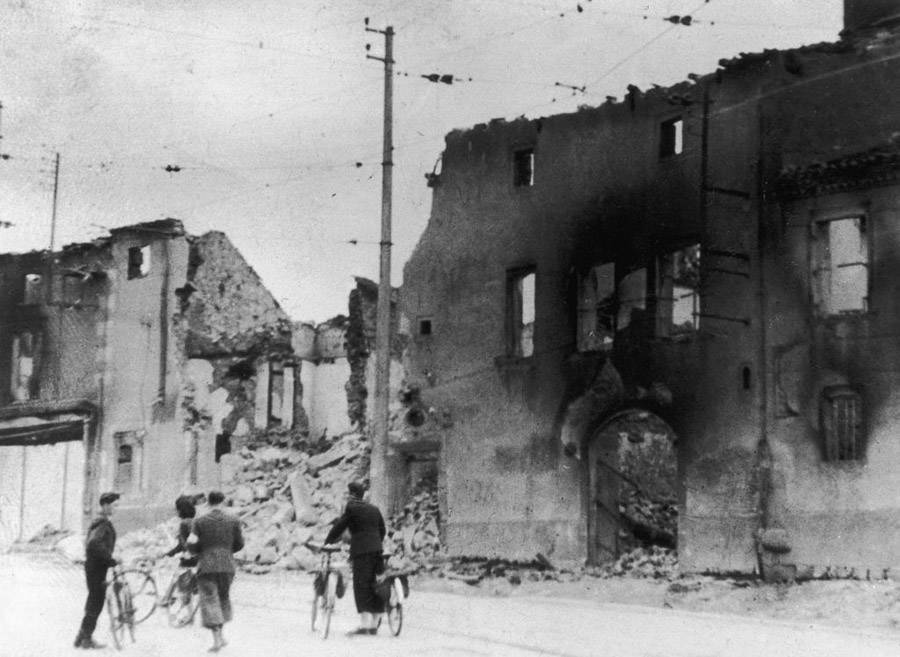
841,423
138,261
746,380
596,308
425,326
223,445
276,393
520,289
72,289
128,461
34,287
671,137
678,292
632,297
23,380
523,164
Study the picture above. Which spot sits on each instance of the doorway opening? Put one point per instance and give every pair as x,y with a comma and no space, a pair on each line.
632,485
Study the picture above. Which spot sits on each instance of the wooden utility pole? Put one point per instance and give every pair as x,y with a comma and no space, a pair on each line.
379,488
53,216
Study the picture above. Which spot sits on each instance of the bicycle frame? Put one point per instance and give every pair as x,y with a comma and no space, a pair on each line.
325,598
120,607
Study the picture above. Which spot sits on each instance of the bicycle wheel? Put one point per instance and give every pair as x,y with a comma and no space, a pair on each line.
318,601
143,593
323,607
169,596
395,608
113,608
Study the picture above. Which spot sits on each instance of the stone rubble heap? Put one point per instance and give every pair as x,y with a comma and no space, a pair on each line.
287,494
644,562
653,562
413,535
286,497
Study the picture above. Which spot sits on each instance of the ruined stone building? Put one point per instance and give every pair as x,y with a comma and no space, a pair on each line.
722,255
130,363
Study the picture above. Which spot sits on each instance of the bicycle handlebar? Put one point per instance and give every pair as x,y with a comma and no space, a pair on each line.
322,547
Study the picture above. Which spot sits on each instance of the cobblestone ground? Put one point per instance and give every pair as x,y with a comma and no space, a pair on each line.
42,598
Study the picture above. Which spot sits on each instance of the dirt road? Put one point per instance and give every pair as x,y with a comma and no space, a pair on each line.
42,597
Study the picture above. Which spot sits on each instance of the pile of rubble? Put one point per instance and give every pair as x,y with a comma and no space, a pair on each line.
646,521
286,497
413,534
645,562
286,494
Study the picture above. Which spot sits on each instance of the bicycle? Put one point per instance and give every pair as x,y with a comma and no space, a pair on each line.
120,606
393,588
325,590
182,597
143,589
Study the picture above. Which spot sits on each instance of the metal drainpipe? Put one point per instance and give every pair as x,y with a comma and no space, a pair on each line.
764,457
164,323
95,425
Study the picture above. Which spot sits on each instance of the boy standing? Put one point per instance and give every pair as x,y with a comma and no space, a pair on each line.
101,541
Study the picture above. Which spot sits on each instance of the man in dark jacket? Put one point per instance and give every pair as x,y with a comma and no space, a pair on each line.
218,536
101,541
367,531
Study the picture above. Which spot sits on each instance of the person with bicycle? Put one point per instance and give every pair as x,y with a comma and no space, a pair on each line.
367,531
186,510
215,537
101,541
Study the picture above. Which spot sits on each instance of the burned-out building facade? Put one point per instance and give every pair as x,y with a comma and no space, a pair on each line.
722,254
130,363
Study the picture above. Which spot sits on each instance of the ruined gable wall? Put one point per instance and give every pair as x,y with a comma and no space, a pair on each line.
230,310
360,342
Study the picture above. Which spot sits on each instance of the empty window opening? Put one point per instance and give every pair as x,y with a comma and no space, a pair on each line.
632,297
523,163
223,445
841,266
521,308
242,370
671,137
128,462
424,327
138,261
678,292
34,287
25,348
276,393
72,289
746,381
841,423
596,308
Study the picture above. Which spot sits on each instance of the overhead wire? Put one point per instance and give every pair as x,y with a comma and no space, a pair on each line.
257,45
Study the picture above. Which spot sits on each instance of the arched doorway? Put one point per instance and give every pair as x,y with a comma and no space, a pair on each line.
632,484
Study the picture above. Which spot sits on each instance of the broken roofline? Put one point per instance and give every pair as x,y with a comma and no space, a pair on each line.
875,167
170,227
678,92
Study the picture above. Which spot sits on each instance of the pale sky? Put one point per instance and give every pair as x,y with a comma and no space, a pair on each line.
268,106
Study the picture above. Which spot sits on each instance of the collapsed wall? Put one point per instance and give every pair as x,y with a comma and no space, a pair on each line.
288,492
